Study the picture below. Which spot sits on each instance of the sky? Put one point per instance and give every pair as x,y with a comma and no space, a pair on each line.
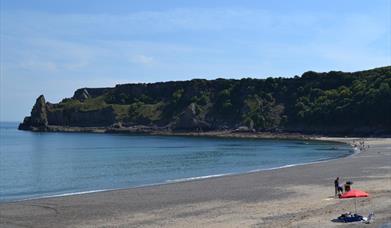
54,47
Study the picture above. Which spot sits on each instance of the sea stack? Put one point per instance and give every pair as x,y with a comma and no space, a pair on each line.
38,119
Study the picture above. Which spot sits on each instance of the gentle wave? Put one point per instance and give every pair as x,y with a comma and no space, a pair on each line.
198,178
79,193
64,194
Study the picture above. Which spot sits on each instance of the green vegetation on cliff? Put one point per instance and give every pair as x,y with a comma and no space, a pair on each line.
333,102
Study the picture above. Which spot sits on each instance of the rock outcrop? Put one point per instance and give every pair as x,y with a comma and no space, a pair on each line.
81,95
38,118
85,93
189,120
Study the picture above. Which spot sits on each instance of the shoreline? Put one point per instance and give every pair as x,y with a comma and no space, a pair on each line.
294,196
235,133
197,178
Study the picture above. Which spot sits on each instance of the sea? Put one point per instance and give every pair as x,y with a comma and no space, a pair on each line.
46,164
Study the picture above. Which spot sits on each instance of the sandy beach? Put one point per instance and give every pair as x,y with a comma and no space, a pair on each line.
299,196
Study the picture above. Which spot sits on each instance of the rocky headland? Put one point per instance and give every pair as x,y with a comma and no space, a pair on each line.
333,103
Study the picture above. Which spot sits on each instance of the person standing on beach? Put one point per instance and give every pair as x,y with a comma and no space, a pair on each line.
336,186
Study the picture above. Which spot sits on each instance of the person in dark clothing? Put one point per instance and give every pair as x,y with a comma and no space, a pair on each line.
336,186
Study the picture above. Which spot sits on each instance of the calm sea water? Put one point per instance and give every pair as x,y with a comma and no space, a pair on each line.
46,164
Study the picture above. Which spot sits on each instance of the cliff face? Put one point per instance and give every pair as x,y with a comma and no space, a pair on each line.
191,120
75,118
334,102
44,115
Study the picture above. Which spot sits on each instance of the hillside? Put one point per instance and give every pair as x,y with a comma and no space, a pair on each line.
357,103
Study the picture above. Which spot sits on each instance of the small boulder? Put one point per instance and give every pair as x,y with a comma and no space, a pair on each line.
244,129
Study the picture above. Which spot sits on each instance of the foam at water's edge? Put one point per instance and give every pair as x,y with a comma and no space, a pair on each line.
79,193
60,195
199,178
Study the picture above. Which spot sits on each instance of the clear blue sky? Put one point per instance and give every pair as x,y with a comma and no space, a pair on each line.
53,47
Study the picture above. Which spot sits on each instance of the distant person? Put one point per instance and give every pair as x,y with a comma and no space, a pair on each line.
336,186
348,186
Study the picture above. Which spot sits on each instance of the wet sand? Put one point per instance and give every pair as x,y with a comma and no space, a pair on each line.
300,196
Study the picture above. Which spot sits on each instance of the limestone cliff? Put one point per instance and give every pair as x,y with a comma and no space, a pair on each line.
357,103
43,115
